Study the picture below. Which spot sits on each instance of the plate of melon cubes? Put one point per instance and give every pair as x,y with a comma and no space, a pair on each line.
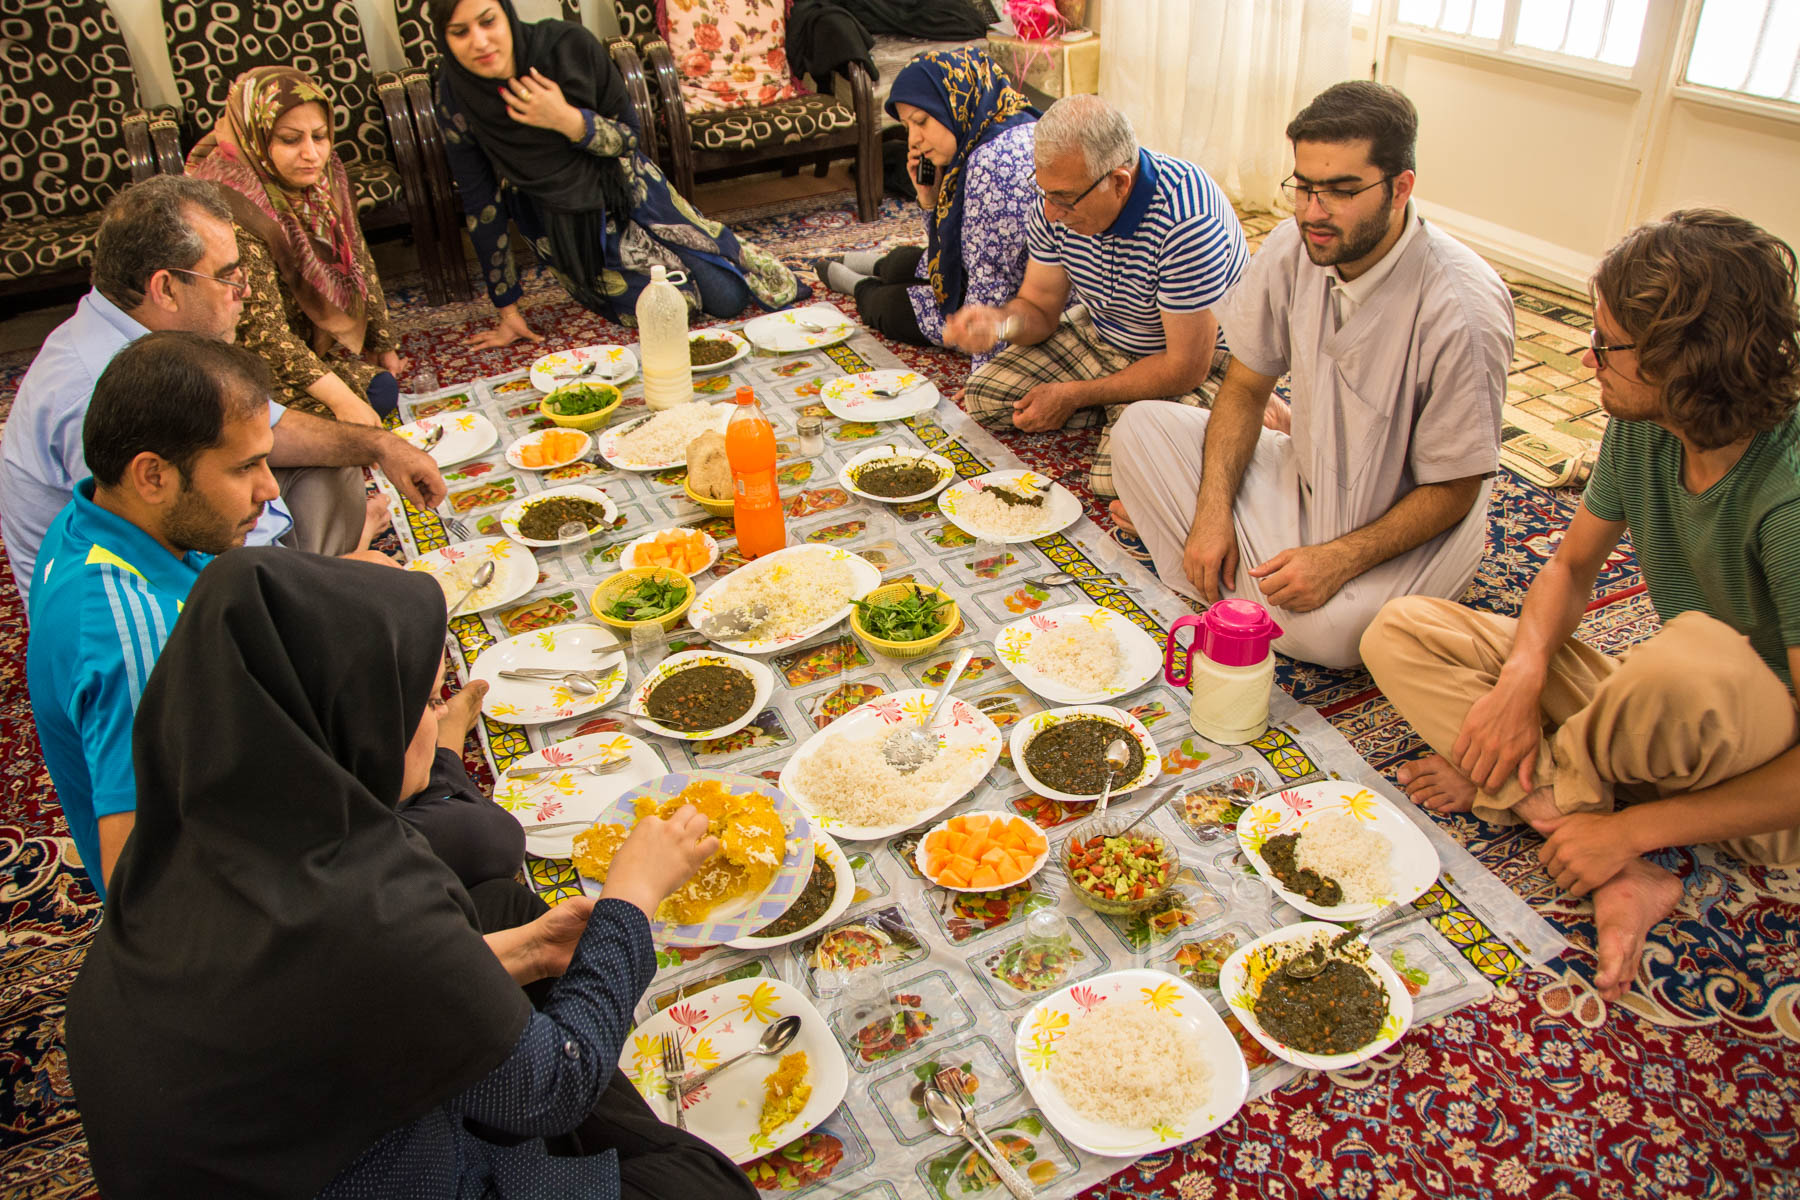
686,550
982,852
548,449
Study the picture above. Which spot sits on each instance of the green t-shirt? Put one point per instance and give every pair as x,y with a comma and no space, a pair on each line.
1732,551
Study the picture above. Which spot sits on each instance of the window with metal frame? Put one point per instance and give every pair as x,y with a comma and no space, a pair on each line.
1596,31
1751,47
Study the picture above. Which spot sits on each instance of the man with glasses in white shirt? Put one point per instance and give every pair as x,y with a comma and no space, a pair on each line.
165,258
1396,339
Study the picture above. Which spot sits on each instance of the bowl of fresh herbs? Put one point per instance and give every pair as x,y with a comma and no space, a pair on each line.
640,595
905,620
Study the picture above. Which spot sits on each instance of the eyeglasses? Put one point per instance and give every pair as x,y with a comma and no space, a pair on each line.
237,281
1601,350
1069,205
1330,198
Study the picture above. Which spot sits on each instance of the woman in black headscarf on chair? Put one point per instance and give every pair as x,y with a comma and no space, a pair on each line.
287,996
540,131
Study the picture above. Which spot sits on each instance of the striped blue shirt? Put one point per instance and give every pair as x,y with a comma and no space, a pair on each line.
1176,247
104,601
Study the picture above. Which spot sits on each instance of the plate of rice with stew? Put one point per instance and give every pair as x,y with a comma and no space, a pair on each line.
1337,850
807,589
1131,1062
1009,506
1078,654
661,440
840,779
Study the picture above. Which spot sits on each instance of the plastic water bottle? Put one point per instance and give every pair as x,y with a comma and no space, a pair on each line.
662,316
750,448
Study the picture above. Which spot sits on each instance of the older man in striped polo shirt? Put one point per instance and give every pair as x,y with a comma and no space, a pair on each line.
1144,244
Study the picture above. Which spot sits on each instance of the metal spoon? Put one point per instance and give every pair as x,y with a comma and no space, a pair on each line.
1312,961
1166,797
732,623
484,575
1118,753
949,1119
576,682
892,393
776,1038
906,750
433,438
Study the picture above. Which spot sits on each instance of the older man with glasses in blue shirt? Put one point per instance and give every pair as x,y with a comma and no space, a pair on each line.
165,258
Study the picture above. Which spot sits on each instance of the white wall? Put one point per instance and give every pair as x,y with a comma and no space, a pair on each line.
141,21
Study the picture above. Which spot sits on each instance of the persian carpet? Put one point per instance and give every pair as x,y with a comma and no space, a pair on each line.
1688,1088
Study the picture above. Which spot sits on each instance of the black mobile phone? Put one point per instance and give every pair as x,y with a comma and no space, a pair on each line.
926,172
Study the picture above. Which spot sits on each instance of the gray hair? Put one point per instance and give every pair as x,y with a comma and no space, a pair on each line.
146,229
1089,126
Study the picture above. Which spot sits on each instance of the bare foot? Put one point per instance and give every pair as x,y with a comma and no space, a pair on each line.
459,714
377,519
1434,784
1626,908
1117,511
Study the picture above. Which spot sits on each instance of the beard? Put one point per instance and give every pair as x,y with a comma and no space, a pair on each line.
194,524
1359,241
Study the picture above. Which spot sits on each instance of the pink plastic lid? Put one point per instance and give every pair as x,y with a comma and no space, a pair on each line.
1236,633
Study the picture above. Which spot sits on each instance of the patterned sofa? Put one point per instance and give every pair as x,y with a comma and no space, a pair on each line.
71,135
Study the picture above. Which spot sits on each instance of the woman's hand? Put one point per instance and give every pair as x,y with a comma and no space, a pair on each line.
536,99
542,948
508,329
926,192
391,362
658,857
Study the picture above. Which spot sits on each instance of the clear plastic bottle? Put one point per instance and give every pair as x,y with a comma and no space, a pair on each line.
662,316
750,448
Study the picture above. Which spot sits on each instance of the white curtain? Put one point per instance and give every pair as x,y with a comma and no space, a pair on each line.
1216,81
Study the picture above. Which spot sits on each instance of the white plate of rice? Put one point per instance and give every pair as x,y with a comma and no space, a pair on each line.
1241,980
1350,824
1024,731
660,440
808,589
840,779
454,567
994,520
612,364
1129,1063
1078,654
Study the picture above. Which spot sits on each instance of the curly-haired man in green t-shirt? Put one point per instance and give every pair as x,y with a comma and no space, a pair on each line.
1696,349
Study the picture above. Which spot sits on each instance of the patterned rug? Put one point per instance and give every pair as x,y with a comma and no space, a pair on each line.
1689,1088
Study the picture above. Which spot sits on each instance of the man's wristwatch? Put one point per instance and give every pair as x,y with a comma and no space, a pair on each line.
1008,326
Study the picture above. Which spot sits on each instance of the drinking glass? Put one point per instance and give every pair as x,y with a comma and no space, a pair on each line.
863,1000
574,539
649,646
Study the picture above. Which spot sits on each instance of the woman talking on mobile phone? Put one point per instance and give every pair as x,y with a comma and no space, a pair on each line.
968,151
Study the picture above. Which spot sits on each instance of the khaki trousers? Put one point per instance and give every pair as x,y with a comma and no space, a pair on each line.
1691,707
328,505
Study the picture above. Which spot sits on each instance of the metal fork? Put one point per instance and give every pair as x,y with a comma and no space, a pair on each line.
455,528
949,1081
674,1065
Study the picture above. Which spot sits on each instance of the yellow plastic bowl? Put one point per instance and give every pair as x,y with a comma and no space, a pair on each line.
718,508
613,585
586,422
926,645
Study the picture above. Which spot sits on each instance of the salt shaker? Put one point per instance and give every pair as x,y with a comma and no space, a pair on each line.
812,435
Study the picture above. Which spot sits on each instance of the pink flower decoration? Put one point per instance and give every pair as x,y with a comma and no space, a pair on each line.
558,757
1296,801
1046,624
1085,997
687,1016
548,809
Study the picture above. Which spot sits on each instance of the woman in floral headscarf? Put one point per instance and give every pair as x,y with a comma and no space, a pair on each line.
315,311
964,119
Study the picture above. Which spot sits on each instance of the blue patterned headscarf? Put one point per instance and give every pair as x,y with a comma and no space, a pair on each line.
967,93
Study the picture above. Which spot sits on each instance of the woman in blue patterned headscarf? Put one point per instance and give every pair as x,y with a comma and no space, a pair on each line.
964,119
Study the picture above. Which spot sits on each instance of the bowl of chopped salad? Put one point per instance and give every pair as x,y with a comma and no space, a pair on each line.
583,406
640,595
1118,873
905,620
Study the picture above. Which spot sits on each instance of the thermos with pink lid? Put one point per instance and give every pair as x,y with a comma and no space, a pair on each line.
1231,668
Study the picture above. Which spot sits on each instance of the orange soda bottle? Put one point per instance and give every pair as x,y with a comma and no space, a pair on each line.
750,448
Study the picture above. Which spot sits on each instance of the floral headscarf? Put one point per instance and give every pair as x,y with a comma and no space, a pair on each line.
967,93
311,231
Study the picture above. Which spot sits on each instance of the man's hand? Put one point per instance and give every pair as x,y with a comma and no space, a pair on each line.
1500,736
658,856
1585,850
1210,558
536,99
1046,407
1278,416
1303,578
508,329
974,328
413,471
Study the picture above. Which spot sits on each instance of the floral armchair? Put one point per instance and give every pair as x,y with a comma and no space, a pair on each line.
742,129
210,45
71,135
